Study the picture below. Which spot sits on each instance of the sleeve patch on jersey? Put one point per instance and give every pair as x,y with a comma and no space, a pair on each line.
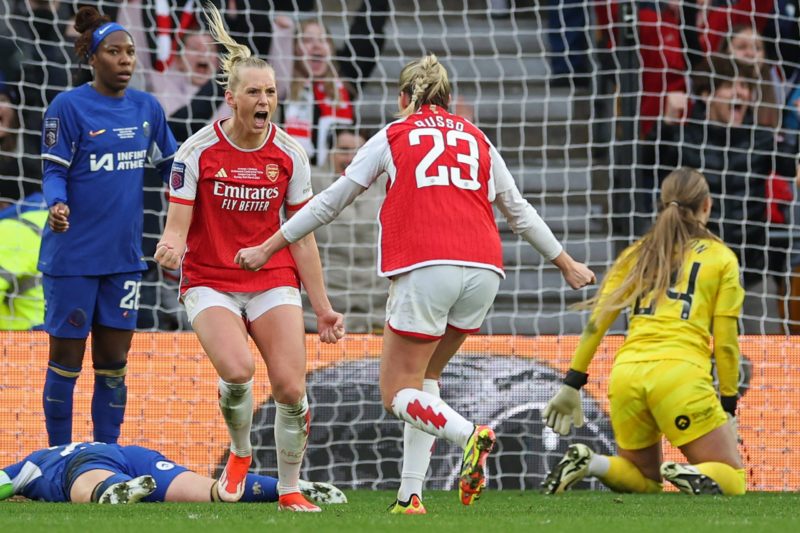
177,174
50,132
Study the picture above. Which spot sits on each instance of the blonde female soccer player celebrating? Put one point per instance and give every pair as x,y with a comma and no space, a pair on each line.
228,186
441,249
681,283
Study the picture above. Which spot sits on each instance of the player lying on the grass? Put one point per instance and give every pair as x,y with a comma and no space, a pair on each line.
660,382
83,472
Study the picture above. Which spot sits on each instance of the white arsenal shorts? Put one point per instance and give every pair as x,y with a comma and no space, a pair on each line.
249,305
425,301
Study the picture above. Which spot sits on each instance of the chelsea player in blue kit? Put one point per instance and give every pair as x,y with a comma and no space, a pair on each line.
96,141
82,472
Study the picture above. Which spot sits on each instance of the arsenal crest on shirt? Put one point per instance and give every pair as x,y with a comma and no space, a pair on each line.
272,172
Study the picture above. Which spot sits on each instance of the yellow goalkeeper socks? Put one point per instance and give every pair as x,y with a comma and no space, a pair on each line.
730,480
623,476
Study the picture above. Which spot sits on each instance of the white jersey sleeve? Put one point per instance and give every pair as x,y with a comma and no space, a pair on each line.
500,178
184,176
299,190
372,160
186,167
522,217
322,209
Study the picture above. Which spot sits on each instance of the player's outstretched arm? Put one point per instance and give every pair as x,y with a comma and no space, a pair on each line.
255,257
576,274
726,354
322,209
170,249
564,409
524,220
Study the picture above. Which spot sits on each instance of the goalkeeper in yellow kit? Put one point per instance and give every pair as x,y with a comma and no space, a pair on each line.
681,283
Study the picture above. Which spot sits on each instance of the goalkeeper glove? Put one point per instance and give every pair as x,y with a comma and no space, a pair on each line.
564,409
729,406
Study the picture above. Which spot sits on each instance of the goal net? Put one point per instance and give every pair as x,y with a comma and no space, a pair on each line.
590,103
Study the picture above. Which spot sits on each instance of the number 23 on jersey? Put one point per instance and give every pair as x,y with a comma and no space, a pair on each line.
429,174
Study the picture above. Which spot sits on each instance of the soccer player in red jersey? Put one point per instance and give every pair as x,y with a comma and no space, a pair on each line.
228,186
440,246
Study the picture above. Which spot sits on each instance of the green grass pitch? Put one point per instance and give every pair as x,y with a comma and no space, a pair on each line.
497,511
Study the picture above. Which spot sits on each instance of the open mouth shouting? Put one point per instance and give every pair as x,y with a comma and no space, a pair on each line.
261,119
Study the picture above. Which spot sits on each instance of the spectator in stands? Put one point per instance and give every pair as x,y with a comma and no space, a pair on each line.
317,99
84,472
665,62
782,37
195,65
569,41
359,55
201,100
166,22
745,44
348,245
737,158
39,30
20,173
21,224
673,36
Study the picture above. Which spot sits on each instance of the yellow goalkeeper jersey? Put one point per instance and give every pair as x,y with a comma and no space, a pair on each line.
678,325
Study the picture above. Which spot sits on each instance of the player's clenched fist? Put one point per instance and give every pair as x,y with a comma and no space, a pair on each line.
576,274
330,325
251,258
168,256
58,219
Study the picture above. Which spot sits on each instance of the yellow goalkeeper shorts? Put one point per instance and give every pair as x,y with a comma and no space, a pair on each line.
671,397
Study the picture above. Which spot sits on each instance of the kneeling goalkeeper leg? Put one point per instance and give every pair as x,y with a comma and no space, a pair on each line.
617,473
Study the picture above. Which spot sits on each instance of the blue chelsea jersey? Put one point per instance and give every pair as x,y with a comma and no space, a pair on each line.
45,474
94,151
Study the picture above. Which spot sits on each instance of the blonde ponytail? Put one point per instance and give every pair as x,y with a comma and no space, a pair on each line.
237,55
425,82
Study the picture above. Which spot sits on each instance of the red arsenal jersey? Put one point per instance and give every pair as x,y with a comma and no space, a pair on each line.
443,176
237,196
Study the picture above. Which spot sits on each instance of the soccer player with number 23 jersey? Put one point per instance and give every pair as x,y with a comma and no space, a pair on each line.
440,246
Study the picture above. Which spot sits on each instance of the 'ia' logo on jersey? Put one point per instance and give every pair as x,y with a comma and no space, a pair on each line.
272,172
